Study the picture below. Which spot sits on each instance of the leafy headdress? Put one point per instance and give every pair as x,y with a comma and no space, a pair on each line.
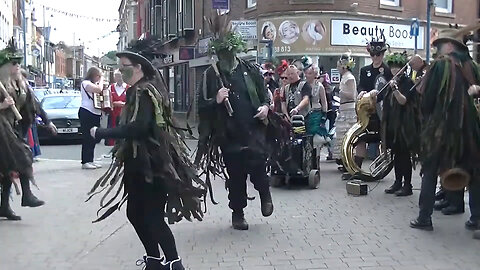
224,37
397,59
10,53
347,61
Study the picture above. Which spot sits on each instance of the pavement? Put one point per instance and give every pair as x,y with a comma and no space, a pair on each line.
310,229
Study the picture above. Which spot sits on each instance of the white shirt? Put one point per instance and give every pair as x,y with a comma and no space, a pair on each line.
87,102
120,88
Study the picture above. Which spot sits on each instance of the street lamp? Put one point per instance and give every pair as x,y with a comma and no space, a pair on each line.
269,47
429,19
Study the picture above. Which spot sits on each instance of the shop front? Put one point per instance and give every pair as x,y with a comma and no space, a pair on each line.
324,37
177,77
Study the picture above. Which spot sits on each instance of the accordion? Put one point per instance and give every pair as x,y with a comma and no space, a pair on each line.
103,100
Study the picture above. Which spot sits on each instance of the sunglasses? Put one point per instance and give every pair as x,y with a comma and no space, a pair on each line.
375,54
283,78
15,63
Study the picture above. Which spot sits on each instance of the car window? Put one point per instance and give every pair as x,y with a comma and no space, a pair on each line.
61,102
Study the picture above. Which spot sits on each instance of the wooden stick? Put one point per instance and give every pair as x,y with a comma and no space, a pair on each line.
4,92
226,101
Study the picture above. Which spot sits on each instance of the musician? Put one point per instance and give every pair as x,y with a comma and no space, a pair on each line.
346,114
242,136
89,115
451,129
15,155
401,124
369,76
158,175
119,97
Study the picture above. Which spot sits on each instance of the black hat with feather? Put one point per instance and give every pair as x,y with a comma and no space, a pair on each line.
143,52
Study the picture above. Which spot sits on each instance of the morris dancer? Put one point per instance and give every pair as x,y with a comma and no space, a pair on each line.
242,136
451,129
15,154
158,174
401,125
368,78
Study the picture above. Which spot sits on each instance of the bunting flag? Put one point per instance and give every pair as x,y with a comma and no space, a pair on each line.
101,37
73,15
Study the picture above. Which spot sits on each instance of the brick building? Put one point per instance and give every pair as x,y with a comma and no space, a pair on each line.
322,29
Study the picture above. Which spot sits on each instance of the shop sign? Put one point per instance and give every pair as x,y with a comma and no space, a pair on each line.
334,75
220,4
168,59
186,53
358,33
246,28
202,47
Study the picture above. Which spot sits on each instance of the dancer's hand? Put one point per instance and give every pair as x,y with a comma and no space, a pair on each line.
93,130
52,128
262,112
474,90
7,103
222,94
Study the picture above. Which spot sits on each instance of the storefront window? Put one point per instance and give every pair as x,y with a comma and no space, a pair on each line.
178,85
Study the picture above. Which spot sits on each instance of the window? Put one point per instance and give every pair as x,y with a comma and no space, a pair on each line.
172,18
394,3
444,6
225,11
189,15
251,3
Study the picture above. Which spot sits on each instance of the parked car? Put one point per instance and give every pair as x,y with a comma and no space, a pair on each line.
62,110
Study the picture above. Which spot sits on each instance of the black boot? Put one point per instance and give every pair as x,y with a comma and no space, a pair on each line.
239,222
440,195
151,263
266,204
28,199
406,190
397,185
5,210
173,265
421,224
439,205
453,210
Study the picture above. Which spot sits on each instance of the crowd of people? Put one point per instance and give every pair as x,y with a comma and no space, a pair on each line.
423,113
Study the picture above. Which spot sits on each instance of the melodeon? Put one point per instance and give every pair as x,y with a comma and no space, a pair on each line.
103,101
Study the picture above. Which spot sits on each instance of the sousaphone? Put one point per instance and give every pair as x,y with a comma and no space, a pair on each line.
383,164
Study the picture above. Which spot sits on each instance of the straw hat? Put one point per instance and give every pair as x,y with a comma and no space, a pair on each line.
456,36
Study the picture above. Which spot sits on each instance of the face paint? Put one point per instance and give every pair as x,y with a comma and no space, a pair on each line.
127,74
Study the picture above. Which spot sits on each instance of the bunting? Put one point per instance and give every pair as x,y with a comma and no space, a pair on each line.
74,15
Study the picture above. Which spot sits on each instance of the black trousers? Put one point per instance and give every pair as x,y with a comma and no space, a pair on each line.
146,211
403,167
239,166
87,121
427,195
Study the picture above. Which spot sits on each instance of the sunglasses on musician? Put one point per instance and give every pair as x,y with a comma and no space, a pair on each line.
377,54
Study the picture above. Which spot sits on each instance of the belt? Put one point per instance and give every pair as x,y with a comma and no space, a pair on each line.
346,102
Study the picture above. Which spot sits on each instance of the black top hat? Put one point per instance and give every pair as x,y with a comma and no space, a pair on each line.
376,46
147,67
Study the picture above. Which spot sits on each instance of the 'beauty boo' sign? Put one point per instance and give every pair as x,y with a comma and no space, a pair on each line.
358,33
